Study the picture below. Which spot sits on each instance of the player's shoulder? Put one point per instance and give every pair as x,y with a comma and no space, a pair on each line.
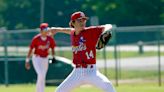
92,27
37,36
72,31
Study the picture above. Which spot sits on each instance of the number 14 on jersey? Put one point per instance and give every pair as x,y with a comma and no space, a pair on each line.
89,54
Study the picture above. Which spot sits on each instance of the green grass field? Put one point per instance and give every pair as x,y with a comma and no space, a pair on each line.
120,88
139,81
149,83
133,74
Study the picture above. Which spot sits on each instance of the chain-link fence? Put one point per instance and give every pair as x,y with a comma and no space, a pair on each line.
134,55
139,54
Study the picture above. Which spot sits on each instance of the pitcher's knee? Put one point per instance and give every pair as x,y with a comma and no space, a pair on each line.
40,79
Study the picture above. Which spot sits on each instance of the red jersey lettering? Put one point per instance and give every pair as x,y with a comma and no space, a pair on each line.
41,47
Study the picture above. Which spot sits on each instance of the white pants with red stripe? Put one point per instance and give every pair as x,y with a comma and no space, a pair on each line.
80,76
41,66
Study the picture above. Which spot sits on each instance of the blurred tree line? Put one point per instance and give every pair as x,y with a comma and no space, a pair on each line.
25,14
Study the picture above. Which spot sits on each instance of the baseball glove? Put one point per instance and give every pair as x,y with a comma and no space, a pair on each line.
103,40
52,61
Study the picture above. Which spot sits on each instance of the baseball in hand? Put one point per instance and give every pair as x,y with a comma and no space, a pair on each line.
27,65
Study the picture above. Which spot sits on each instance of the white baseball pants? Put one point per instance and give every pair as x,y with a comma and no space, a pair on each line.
41,66
88,75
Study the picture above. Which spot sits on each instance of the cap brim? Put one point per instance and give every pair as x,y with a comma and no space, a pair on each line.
84,18
45,29
81,18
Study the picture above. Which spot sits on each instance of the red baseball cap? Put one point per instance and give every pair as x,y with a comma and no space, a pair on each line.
43,26
78,15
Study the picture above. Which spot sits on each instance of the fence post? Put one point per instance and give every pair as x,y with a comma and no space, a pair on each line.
140,46
115,54
6,58
159,59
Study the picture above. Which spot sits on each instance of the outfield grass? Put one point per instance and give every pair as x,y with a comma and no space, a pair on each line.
120,88
133,74
140,88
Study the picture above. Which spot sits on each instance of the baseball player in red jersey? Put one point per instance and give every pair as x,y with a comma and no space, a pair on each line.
41,44
84,41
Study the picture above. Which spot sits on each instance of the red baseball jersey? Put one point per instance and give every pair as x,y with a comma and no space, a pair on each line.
84,45
41,46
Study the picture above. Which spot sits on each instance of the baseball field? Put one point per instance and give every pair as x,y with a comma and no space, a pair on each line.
121,88
138,80
129,83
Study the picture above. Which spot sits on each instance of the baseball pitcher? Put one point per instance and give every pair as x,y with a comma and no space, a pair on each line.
84,41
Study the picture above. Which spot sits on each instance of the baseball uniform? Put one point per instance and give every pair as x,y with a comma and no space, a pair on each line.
40,58
84,58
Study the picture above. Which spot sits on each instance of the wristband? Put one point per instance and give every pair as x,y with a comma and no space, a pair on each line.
27,60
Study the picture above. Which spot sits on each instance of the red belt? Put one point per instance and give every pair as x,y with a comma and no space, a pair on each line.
40,56
84,65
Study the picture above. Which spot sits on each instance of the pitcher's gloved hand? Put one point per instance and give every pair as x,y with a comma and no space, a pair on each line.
103,40
52,61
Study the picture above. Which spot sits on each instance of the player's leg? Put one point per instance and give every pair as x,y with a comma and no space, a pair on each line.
40,67
44,65
71,82
101,82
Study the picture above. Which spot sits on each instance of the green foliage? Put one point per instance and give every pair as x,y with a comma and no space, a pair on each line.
22,14
128,12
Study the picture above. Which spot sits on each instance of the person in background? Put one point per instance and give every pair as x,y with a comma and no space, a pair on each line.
40,44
